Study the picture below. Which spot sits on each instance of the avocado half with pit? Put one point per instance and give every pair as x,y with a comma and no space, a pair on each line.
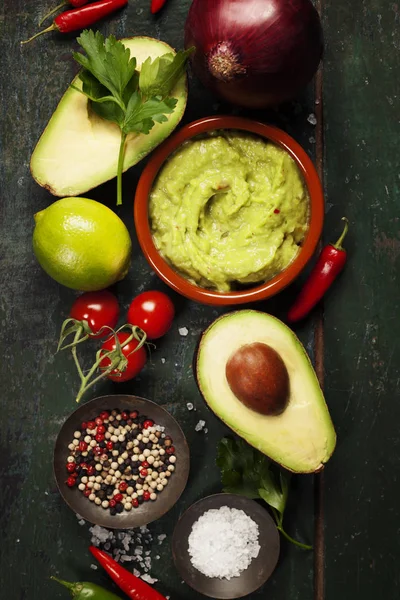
256,376
78,150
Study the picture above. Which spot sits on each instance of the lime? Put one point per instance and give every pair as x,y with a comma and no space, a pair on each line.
82,244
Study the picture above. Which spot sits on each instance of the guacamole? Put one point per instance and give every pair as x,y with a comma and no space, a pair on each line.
229,208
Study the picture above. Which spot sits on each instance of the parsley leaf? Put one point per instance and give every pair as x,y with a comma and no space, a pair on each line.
118,92
158,77
141,114
248,472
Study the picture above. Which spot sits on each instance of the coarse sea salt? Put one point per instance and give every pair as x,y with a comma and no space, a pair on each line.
223,542
200,425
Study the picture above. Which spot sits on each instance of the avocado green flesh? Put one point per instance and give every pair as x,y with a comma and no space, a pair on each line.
302,438
78,150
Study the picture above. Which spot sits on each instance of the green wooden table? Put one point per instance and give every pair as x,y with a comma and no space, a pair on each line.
352,511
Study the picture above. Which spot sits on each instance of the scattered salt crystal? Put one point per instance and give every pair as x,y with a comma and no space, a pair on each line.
161,537
312,119
200,425
311,140
149,579
183,331
136,573
81,522
94,567
123,546
206,430
223,542
163,361
157,557
189,406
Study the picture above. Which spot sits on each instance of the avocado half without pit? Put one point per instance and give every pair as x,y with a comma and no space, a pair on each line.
256,376
79,151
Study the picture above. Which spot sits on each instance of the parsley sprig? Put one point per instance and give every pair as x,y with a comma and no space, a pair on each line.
248,472
118,92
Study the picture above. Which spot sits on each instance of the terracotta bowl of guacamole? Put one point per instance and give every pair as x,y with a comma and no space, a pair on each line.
229,210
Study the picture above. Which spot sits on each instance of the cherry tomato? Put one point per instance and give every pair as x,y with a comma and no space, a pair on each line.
136,360
153,312
99,309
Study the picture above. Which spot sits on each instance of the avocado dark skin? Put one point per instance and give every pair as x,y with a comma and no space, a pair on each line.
258,377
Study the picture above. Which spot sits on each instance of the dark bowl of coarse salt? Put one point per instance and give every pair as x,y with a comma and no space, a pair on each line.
225,546
121,461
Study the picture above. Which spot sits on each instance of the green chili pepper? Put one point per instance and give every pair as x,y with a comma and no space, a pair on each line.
83,590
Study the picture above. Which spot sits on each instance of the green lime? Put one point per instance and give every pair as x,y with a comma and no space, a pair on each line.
82,244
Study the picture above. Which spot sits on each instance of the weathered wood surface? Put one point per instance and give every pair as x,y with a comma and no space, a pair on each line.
362,331
40,535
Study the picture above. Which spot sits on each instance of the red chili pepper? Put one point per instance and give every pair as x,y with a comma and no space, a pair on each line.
72,20
74,3
156,5
134,588
328,266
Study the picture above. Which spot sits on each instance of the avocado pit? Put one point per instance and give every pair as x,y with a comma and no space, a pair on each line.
258,378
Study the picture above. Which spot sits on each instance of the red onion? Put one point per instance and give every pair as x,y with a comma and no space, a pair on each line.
255,53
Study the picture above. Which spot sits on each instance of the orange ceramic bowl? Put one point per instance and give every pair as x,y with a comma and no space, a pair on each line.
259,291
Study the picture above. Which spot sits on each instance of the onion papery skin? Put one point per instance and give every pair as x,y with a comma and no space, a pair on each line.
254,53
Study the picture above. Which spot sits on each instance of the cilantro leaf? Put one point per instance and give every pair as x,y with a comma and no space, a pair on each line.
159,76
118,93
108,60
141,115
248,472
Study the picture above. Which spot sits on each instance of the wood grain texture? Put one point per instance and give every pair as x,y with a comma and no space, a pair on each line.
362,331
41,536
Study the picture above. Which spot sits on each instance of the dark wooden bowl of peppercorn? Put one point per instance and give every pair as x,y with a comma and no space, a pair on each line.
121,461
